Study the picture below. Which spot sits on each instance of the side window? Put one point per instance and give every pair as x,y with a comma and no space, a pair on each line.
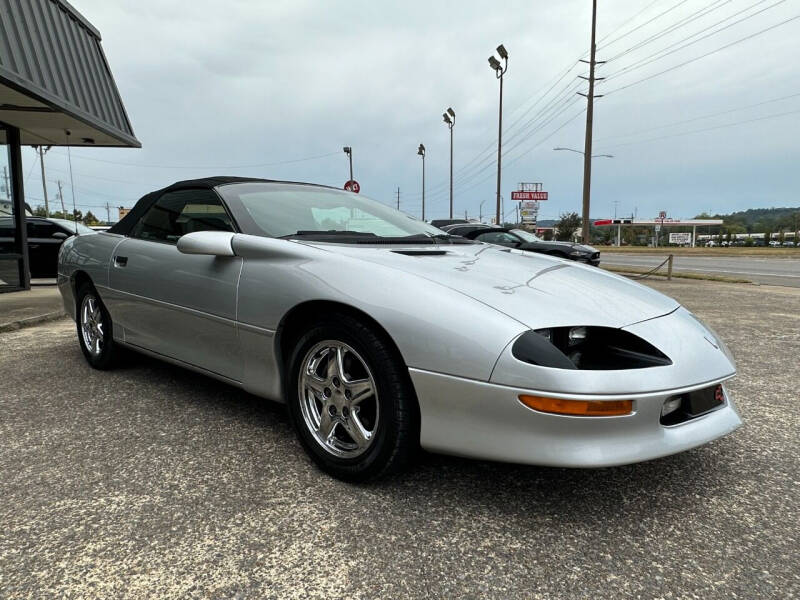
41,229
177,213
498,237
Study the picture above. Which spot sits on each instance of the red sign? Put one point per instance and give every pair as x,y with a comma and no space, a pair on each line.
520,195
352,186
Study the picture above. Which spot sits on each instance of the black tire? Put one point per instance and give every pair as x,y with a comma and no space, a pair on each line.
106,352
395,438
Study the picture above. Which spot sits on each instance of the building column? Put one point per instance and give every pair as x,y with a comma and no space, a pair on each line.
18,203
694,235
619,234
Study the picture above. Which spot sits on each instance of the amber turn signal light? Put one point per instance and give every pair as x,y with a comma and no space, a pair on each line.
578,408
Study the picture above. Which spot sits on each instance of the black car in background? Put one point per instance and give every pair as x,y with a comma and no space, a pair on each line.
524,240
45,237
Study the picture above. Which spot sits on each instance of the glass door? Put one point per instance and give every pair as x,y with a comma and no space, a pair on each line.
10,243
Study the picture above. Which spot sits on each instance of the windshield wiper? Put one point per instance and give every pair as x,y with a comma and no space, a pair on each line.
327,233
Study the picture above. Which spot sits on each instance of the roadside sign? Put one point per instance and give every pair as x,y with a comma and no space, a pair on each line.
522,195
680,238
352,186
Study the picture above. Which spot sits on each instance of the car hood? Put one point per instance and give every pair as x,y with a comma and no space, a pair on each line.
535,289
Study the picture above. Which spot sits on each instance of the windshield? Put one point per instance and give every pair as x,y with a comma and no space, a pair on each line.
291,210
526,235
81,228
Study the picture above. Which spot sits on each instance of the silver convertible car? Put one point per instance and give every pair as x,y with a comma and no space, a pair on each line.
383,334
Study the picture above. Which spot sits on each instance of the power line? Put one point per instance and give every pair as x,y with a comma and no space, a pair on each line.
664,137
621,25
671,49
706,10
707,54
273,164
708,116
658,16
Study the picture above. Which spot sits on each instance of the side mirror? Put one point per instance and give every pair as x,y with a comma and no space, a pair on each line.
211,243
60,235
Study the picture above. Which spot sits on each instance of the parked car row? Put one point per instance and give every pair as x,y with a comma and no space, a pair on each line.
383,334
524,240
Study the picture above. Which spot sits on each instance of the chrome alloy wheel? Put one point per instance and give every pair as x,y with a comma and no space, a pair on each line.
338,399
92,326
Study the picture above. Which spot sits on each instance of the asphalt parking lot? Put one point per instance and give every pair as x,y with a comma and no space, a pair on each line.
151,481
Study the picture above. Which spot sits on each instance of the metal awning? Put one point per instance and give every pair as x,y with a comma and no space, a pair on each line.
54,78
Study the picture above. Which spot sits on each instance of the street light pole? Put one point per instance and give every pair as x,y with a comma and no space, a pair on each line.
450,118
421,152
349,151
499,71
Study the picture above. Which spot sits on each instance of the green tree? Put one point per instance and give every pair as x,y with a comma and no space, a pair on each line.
567,225
39,211
90,219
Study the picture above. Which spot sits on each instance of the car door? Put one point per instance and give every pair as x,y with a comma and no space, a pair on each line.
44,240
179,305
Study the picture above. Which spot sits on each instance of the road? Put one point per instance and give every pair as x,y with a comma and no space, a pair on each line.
772,271
150,481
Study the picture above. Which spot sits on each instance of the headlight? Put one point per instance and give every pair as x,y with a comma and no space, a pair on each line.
587,348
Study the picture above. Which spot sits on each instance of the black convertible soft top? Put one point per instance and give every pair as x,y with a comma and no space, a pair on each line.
125,224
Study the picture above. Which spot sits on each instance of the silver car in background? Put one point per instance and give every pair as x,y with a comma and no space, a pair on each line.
383,334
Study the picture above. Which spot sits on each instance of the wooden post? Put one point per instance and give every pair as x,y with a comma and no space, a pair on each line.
669,268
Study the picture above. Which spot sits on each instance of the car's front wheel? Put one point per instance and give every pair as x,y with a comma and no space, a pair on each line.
351,400
94,328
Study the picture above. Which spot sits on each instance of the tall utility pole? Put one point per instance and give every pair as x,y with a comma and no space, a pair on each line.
42,151
450,118
499,71
398,198
587,150
108,213
421,152
61,197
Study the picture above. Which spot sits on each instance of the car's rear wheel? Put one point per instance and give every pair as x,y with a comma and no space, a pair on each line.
95,333
351,400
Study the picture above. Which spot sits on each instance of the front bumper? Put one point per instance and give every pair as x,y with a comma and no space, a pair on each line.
484,420
588,259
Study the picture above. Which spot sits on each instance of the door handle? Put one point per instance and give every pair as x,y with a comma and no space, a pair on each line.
120,261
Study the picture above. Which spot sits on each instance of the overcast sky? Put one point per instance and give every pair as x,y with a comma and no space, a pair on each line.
213,88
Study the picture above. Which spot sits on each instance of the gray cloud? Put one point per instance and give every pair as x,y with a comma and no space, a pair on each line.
240,83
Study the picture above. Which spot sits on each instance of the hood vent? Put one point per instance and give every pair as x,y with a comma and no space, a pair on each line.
421,252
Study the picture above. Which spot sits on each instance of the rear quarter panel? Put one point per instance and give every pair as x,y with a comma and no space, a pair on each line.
90,254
